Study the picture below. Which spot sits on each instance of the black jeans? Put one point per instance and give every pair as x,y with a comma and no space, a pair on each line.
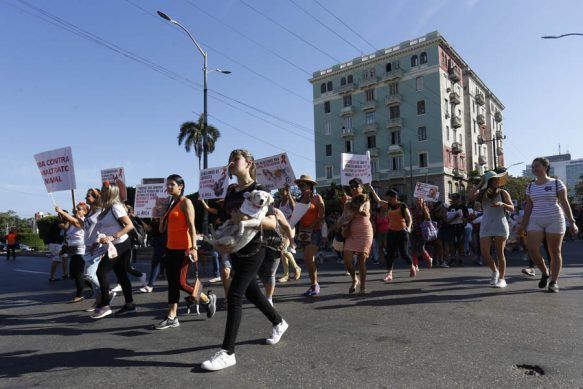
174,260
397,241
119,265
244,283
457,232
76,271
11,248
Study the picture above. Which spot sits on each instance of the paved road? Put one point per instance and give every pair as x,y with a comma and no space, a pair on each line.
445,329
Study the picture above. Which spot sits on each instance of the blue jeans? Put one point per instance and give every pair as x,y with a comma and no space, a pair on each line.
91,273
158,258
216,264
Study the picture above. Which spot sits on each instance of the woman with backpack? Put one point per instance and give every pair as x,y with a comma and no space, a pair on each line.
544,217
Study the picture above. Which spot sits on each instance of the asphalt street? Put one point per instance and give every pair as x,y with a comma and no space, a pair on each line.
444,329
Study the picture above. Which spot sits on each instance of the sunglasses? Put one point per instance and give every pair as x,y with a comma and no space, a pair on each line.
355,186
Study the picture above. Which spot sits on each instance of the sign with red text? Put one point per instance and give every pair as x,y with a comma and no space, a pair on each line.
116,176
213,183
426,192
56,169
151,200
274,172
355,166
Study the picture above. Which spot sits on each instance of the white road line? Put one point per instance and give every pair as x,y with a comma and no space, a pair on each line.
31,271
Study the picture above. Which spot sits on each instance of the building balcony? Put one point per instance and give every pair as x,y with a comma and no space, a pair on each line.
499,134
395,123
374,152
454,98
458,173
347,111
500,150
498,116
395,149
394,74
456,121
482,160
371,128
456,148
368,82
480,99
347,88
481,119
393,99
454,74
369,105
347,132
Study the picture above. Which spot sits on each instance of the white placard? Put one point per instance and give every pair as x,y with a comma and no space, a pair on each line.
151,200
116,176
355,166
57,169
213,183
426,191
274,172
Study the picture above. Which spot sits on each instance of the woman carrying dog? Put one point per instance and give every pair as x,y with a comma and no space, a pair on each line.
245,262
494,227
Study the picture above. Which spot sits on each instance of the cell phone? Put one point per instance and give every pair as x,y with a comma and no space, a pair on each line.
190,258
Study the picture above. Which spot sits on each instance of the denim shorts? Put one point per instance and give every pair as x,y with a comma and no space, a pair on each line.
316,239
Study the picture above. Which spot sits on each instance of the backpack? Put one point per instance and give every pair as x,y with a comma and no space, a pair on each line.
138,234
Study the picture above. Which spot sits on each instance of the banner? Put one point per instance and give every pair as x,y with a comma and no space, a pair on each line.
116,176
56,169
355,166
213,183
274,172
151,200
426,191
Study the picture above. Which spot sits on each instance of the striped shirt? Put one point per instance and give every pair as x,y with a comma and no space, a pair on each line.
545,198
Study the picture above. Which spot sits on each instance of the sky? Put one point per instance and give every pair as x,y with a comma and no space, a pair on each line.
115,82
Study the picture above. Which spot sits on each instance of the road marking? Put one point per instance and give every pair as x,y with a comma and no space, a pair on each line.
31,271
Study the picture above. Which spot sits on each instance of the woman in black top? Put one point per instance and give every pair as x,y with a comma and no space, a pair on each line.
245,264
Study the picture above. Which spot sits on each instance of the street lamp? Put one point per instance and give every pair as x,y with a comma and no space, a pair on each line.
205,93
561,36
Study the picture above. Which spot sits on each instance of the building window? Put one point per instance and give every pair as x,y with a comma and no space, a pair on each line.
374,166
371,142
421,107
396,65
423,58
348,122
365,74
422,159
394,111
388,68
370,94
414,61
447,132
475,148
449,157
422,133
461,139
372,73
328,172
347,100
462,163
323,88
329,86
420,83
397,163
348,146
349,79
343,81
449,187
393,88
328,150
395,137
327,107
328,127
474,126
370,117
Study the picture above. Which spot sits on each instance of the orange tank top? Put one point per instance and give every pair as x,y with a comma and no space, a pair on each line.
11,239
396,220
178,234
310,216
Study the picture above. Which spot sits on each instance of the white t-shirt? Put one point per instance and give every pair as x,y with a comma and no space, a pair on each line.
107,223
75,237
545,198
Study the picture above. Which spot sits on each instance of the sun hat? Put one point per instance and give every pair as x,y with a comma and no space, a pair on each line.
306,178
490,174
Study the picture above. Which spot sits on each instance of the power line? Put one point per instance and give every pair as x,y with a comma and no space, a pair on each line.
325,26
345,25
289,31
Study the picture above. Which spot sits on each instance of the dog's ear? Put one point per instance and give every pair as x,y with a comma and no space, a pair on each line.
247,195
270,199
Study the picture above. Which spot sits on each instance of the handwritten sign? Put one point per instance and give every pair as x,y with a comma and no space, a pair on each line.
116,176
426,191
151,200
275,172
57,169
355,166
213,183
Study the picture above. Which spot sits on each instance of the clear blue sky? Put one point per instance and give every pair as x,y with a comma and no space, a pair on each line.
58,89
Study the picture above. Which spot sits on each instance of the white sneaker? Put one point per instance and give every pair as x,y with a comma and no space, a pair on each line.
221,360
116,289
501,284
277,333
215,280
494,278
146,289
143,281
101,312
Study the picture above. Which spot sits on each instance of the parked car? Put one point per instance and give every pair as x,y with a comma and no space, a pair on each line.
24,247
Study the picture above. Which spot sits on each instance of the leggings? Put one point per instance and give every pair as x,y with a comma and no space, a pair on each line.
76,268
244,284
177,265
119,265
397,241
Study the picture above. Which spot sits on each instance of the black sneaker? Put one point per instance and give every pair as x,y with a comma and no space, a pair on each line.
543,281
167,323
127,308
211,306
553,287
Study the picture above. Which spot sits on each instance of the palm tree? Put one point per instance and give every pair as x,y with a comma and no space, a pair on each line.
191,135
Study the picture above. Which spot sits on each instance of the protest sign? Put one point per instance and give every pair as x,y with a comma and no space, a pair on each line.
116,176
355,166
274,172
213,183
56,169
151,200
427,192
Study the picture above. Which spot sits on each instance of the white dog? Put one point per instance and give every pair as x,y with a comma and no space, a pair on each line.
237,236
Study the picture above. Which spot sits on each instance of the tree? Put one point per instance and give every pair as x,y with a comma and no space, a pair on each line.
579,191
191,135
516,187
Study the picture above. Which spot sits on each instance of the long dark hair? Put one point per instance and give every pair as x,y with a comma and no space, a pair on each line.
177,179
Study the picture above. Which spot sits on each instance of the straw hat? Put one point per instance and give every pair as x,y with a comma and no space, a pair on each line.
306,178
503,177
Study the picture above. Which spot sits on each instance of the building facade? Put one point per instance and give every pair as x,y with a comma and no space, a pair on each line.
417,108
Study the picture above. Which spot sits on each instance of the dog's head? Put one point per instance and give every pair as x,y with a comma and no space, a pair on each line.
259,198
357,201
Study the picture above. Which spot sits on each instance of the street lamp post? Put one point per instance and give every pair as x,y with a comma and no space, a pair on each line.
205,98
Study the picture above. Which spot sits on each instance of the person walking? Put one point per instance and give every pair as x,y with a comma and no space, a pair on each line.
544,217
157,264
419,215
457,217
54,239
11,244
286,206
